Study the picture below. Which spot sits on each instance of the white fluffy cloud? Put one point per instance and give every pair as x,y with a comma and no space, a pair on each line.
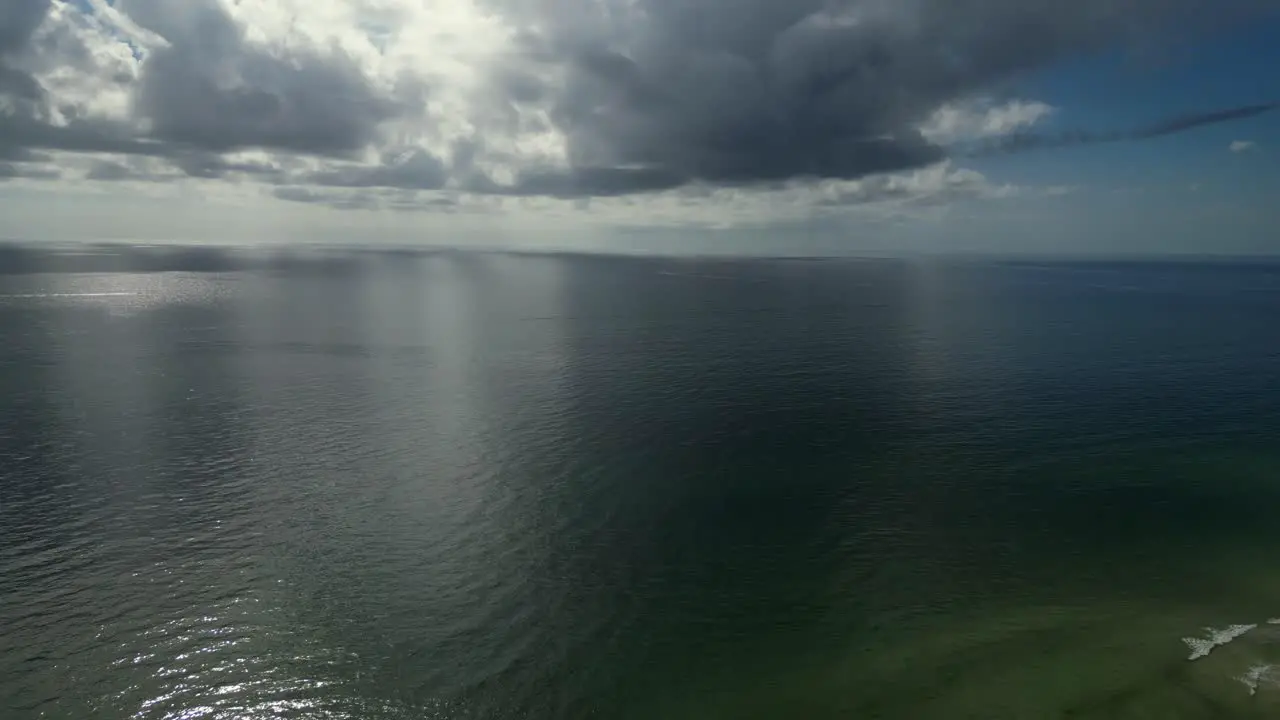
981,120
449,104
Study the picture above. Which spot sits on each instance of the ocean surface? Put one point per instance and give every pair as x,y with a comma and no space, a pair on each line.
373,485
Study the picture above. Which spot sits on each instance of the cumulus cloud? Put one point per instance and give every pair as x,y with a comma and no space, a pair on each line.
365,103
18,22
211,87
939,184
1240,146
968,121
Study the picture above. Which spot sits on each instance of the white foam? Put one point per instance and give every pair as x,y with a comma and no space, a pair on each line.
1201,647
1256,676
1274,621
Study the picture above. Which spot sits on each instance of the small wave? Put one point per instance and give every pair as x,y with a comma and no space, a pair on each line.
1274,621
1201,647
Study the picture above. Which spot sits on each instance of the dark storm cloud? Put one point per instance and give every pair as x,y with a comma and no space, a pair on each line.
22,154
25,105
18,85
1022,142
18,20
662,92
24,132
212,89
650,95
207,92
19,91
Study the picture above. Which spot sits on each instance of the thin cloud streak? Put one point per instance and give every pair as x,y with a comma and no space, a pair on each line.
1026,141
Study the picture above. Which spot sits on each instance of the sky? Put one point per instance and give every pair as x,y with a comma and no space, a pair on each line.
707,126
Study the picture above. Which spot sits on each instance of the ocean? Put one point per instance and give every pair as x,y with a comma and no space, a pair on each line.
362,484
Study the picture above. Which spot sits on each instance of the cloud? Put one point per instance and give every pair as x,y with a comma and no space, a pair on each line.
19,91
30,171
22,154
131,169
108,171
936,185
963,122
1240,146
414,170
368,199
18,20
883,197
1023,141
307,195
529,98
737,91
214,89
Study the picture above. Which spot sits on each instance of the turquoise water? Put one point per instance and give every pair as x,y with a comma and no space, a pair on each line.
497,486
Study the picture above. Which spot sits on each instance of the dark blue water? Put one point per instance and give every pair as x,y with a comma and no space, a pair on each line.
453,485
